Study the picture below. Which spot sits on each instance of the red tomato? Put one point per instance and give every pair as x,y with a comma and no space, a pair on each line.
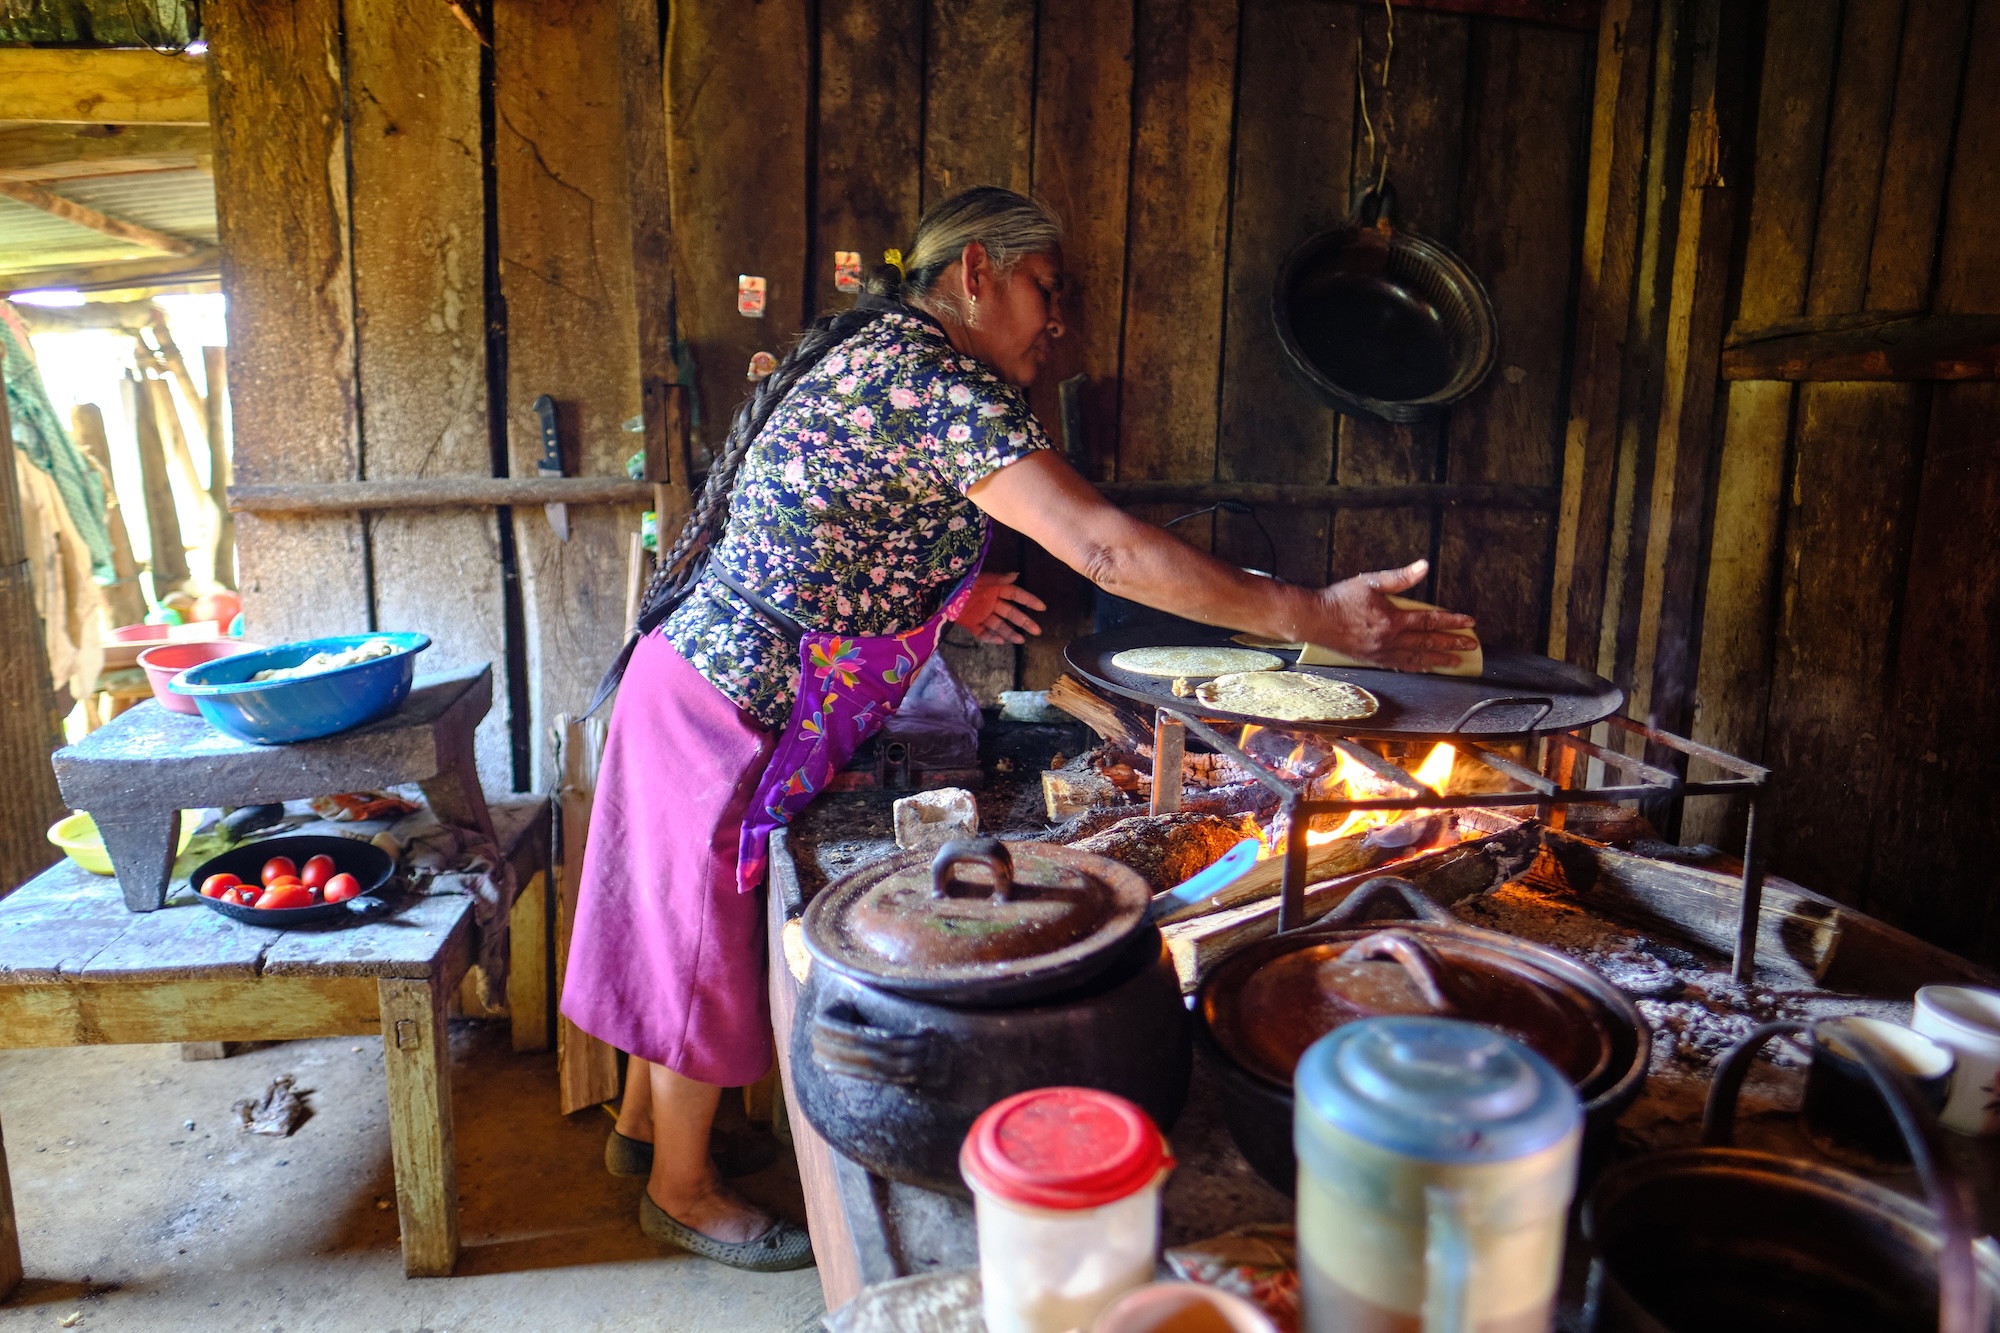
342,887
318,870
284,879
243,895
280,865
213,886
286,895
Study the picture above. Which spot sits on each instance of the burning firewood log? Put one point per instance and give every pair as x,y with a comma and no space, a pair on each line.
1167,849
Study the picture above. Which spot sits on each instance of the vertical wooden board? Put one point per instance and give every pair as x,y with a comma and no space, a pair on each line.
419,288
1081,168
1184,76
737,122
1936,809
1857,135
10,1232
1294,140
1931,69
979,95
1733,680
166,549
277,108
1524,166
1843,569
572,331
1607,261
1419,122
870,151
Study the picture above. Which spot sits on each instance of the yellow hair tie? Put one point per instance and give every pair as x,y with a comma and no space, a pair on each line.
894,258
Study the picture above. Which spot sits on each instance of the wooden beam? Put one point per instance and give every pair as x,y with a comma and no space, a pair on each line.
239,1008
168,558
37,151
1874,347
34,196
1301,495
203,265
100,87
349,497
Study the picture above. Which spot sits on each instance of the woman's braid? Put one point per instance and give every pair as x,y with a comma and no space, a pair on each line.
711,508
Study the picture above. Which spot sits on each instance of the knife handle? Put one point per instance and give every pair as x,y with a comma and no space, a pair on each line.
552,461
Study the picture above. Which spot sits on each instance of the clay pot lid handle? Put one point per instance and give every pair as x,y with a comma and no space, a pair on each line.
1416,958
989,852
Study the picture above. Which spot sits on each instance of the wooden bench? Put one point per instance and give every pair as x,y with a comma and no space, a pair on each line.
79,969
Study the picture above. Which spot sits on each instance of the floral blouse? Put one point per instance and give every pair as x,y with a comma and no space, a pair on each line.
849,513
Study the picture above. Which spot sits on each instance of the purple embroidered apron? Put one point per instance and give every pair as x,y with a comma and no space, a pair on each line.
848,687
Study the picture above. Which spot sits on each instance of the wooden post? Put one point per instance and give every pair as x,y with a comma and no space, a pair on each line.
416,1052
124,599
28,733
10,1231
528,966
587,1068
279,112
215,406
163,524
167,416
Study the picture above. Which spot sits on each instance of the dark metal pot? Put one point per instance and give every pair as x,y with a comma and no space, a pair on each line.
1570,1014
1722,1240
891,1061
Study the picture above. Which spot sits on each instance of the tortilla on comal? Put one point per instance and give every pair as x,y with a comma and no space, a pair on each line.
1289,696
1193,661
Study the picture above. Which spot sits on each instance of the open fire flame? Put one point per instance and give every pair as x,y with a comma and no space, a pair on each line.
1350,777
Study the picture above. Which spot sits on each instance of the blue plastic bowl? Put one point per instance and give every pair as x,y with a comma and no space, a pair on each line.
279,712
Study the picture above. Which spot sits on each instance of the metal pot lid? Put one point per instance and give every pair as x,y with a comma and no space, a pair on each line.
982,914
1267,1005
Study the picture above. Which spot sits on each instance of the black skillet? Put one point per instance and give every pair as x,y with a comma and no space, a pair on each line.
369,864
1518,694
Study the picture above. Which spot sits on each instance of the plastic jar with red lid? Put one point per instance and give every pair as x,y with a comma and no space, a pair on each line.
1066,1190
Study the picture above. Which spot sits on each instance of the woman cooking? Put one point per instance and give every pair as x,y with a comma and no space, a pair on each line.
843,525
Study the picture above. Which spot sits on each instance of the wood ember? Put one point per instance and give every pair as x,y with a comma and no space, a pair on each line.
1167,849
278,1112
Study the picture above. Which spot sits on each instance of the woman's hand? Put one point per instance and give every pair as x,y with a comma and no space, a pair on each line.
992,612
1357,617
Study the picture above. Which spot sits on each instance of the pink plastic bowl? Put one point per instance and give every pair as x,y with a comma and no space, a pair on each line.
163,663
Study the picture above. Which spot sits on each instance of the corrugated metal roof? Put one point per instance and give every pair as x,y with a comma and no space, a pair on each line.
180,203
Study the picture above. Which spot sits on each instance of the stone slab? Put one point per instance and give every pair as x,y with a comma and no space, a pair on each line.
148,757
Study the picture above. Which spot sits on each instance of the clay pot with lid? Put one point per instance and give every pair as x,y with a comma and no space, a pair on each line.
1269,1001
940,986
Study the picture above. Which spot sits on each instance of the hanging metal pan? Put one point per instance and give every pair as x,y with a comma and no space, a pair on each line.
1518,694
1381,322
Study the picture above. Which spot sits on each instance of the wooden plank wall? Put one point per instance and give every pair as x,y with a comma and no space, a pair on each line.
1847,631
424,228
1187,147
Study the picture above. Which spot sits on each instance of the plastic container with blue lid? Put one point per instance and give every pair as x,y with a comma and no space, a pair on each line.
1437,1159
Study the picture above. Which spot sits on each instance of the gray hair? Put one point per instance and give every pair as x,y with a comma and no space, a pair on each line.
1009,226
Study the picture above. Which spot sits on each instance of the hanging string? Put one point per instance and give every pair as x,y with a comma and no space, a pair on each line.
1379,166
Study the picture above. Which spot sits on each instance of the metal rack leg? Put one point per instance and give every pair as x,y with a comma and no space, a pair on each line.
1744,965
1292,897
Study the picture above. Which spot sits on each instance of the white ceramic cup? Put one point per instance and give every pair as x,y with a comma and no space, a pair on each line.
1967,1019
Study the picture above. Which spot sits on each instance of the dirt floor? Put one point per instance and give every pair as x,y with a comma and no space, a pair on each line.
142,1207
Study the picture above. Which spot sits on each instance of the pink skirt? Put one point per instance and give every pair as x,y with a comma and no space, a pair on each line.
667,960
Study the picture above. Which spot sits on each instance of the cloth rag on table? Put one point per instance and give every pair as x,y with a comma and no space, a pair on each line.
667,961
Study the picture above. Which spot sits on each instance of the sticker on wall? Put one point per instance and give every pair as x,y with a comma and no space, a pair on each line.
749,296
762,364
847,270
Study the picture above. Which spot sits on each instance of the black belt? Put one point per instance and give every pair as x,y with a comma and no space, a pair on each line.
783,623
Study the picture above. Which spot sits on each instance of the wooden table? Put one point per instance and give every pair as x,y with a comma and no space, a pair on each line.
136,773
78,969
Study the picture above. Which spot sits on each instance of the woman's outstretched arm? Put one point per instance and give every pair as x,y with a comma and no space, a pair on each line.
1044,497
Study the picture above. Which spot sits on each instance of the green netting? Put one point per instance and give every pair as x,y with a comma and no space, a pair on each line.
41,439
160,24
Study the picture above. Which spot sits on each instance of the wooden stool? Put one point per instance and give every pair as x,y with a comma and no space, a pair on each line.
136,773
78,969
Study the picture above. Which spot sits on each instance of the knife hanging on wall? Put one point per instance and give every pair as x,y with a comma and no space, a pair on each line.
551,464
